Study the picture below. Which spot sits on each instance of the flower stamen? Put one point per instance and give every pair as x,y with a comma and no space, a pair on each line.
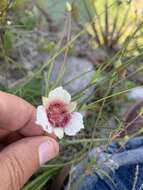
58,114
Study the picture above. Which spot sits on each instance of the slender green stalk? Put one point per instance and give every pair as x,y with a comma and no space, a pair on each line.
93,104
80,141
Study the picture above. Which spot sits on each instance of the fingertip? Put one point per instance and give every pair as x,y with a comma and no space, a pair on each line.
25,156
31,128
48,150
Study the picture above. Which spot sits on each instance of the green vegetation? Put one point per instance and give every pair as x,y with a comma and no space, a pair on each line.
107,33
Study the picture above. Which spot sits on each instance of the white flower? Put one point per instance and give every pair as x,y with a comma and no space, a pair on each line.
56,114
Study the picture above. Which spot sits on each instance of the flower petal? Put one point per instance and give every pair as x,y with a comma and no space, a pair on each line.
42,120
59,132
44,101
72,106
75,124
60,94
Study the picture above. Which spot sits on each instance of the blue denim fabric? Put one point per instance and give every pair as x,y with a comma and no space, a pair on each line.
115,168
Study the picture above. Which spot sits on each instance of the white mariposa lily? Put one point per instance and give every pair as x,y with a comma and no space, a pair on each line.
57,115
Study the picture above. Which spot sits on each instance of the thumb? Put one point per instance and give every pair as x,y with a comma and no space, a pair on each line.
21,159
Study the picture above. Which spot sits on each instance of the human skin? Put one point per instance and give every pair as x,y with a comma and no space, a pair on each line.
23,148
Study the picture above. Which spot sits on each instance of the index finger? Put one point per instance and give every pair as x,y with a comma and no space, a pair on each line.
17,114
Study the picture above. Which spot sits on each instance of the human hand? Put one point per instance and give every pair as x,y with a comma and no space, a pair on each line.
23,150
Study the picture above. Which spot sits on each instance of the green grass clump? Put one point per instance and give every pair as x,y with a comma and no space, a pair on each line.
111,27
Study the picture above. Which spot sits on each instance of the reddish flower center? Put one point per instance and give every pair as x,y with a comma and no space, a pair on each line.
58,114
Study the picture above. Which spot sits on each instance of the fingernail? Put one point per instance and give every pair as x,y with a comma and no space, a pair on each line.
47,151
